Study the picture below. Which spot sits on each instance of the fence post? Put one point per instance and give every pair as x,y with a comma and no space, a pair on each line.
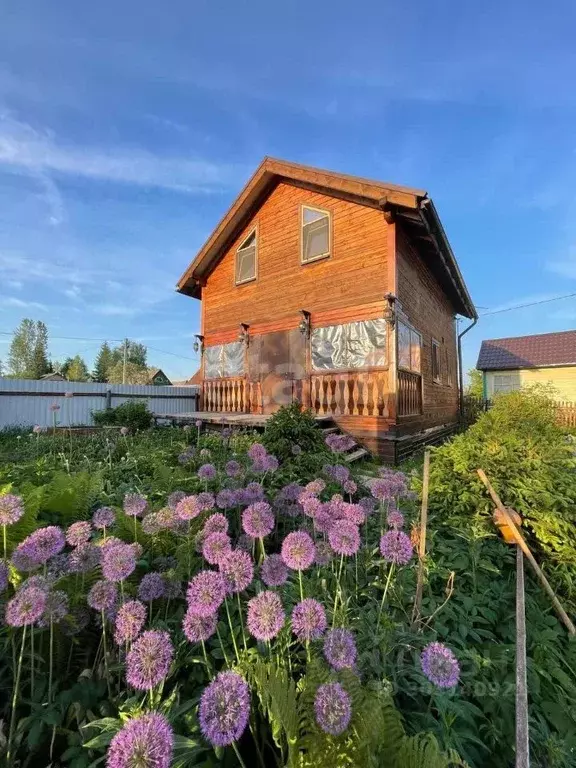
108,399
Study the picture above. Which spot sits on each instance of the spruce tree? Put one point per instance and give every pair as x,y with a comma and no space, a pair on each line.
104,361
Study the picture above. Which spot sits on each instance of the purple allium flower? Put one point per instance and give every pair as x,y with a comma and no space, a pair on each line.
396,547
55,609
271,463
216,548
137,548
340,443
309,619
152,587
37,429
233,468
354,513
150,524
149,659
57,567
344,538
310,504
258,520
36,581
4,572
84,558
237,571
134,505
199,628
129,621
26,607
257,451
333,708
78,533
165,562
245,543
323,553
226,499
206,501
349,487
265,615
186,456
207,472
146,741
174,498
118,562
253,492
103,595
224,709
324,519
395,519
298,551
103,517
274,572
290,492
216,523
340,648
206,593
11,509
315,486
188,508
440,665
39,547
368,504
381,489
173,589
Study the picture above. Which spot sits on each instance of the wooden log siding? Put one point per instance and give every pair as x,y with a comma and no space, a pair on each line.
350,394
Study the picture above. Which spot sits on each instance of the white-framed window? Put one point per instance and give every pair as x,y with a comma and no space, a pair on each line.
409,347
436,372
316,234
246,259
505,382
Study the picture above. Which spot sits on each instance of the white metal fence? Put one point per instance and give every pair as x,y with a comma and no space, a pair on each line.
26,402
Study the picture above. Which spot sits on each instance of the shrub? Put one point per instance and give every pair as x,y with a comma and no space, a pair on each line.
133,414
292,431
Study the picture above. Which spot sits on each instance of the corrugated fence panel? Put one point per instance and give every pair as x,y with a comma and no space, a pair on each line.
26,402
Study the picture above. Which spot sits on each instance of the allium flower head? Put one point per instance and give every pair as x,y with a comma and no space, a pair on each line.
188,508
151,587
274,572
37,429
253,492
315,486
311,504
205,453
226,499
216,548
396,547
440,665
368,504
149,659
257,451
344,538
258,520
206,501
134,505
26,607
207,472
55,609
78,533
174,498
340,648
103,517
382,489
206,593
395,519
290,492
129,621
333,708
233,468
118,562
237,571
349,487
199,628
84,558
103,595
340,443
144,742
323,553
265,615
58,567
324,519
11,509
298,551
216,523
309,619
4,572
353,513
224,709
39,547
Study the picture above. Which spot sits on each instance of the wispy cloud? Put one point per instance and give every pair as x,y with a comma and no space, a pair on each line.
12,301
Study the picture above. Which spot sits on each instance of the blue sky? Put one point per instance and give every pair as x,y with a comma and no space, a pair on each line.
127,128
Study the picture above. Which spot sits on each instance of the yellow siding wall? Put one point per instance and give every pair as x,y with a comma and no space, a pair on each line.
562,379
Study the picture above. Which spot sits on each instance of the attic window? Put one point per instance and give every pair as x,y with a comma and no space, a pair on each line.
246,259
316,236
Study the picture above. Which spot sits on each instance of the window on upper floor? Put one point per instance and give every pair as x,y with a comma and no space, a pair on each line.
436,373
409,347
246,259
316,234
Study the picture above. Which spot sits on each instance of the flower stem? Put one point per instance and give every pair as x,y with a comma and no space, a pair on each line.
388,579
241,620
242,763
232,630
338,592
15,698
222,646
208,667
105,649
51,662
4,537
32,663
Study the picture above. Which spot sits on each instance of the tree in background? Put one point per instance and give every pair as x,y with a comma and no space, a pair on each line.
475,386
135,374
135,353
112,358
77,370
104,361
1,368
28,356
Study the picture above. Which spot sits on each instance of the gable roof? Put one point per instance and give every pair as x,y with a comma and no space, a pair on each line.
153,372
539,351
412,207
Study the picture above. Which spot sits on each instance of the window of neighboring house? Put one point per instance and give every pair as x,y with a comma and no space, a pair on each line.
246,259
409,347
316,235
436,361
505,382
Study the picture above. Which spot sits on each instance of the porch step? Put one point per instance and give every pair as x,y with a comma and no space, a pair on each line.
359,453
329,430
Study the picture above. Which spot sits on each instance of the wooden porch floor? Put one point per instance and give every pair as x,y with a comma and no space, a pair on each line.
222,418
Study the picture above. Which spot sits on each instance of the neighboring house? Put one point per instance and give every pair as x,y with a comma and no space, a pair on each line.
158,378
546,358
335,291
54,376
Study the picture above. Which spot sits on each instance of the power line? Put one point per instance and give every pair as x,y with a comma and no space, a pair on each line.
530,304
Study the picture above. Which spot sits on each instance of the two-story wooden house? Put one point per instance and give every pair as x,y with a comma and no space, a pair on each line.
338,292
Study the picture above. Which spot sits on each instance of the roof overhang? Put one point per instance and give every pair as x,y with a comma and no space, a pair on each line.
411,207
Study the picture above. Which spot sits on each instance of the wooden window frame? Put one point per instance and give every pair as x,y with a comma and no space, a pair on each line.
253,231
322,256
449,376
412,330
437,379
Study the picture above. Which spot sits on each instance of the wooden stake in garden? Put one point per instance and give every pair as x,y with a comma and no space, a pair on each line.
422,539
